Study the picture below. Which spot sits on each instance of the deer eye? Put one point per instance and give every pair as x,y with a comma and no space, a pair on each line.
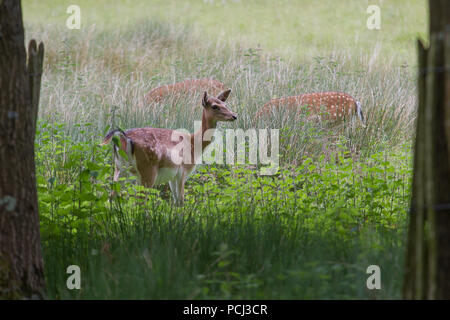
215,107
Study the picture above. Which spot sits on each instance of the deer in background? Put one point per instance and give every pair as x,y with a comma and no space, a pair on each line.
150,150
332,105
212,86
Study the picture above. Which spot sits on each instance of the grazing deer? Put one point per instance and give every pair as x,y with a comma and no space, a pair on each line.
336,105
150,150
187,86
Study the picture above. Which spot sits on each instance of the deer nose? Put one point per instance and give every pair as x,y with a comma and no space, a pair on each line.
234,116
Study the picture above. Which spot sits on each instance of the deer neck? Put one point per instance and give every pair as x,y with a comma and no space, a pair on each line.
207,124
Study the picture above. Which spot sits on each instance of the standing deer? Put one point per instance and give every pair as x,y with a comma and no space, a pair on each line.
150,150
187,86
336,105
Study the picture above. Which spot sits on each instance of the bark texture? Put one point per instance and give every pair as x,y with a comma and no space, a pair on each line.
21,267
427,273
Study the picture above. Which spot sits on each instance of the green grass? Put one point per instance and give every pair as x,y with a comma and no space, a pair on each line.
338,204
184,258
301,29
308,233
101,77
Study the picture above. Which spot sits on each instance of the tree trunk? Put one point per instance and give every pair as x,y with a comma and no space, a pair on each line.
21,268
428,257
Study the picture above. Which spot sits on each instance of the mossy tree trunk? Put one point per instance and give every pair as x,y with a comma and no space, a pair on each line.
21,268
427,273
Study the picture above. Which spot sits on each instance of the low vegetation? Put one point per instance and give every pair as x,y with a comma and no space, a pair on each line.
308,232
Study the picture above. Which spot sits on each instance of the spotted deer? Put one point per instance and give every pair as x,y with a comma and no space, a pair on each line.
329,105
150,151
214,87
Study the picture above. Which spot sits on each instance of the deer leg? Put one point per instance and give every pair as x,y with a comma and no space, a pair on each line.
181,197
116,174
148,176
180,187
116,166
174,189
177,188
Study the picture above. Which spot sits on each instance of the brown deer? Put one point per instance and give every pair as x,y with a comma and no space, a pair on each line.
187,86
332,105
154,153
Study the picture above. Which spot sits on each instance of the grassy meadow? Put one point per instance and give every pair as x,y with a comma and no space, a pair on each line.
338,203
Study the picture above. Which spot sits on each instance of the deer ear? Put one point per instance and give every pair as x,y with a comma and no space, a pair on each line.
223,96
205,100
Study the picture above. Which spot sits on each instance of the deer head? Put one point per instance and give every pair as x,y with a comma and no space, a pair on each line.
215,109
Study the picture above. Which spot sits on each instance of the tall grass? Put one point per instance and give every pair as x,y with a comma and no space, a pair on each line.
224,257
105,85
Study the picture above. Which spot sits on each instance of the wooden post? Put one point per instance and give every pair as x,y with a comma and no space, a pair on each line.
34,68
428,257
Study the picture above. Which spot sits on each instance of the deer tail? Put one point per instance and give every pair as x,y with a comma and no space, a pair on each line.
360,114
129,147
